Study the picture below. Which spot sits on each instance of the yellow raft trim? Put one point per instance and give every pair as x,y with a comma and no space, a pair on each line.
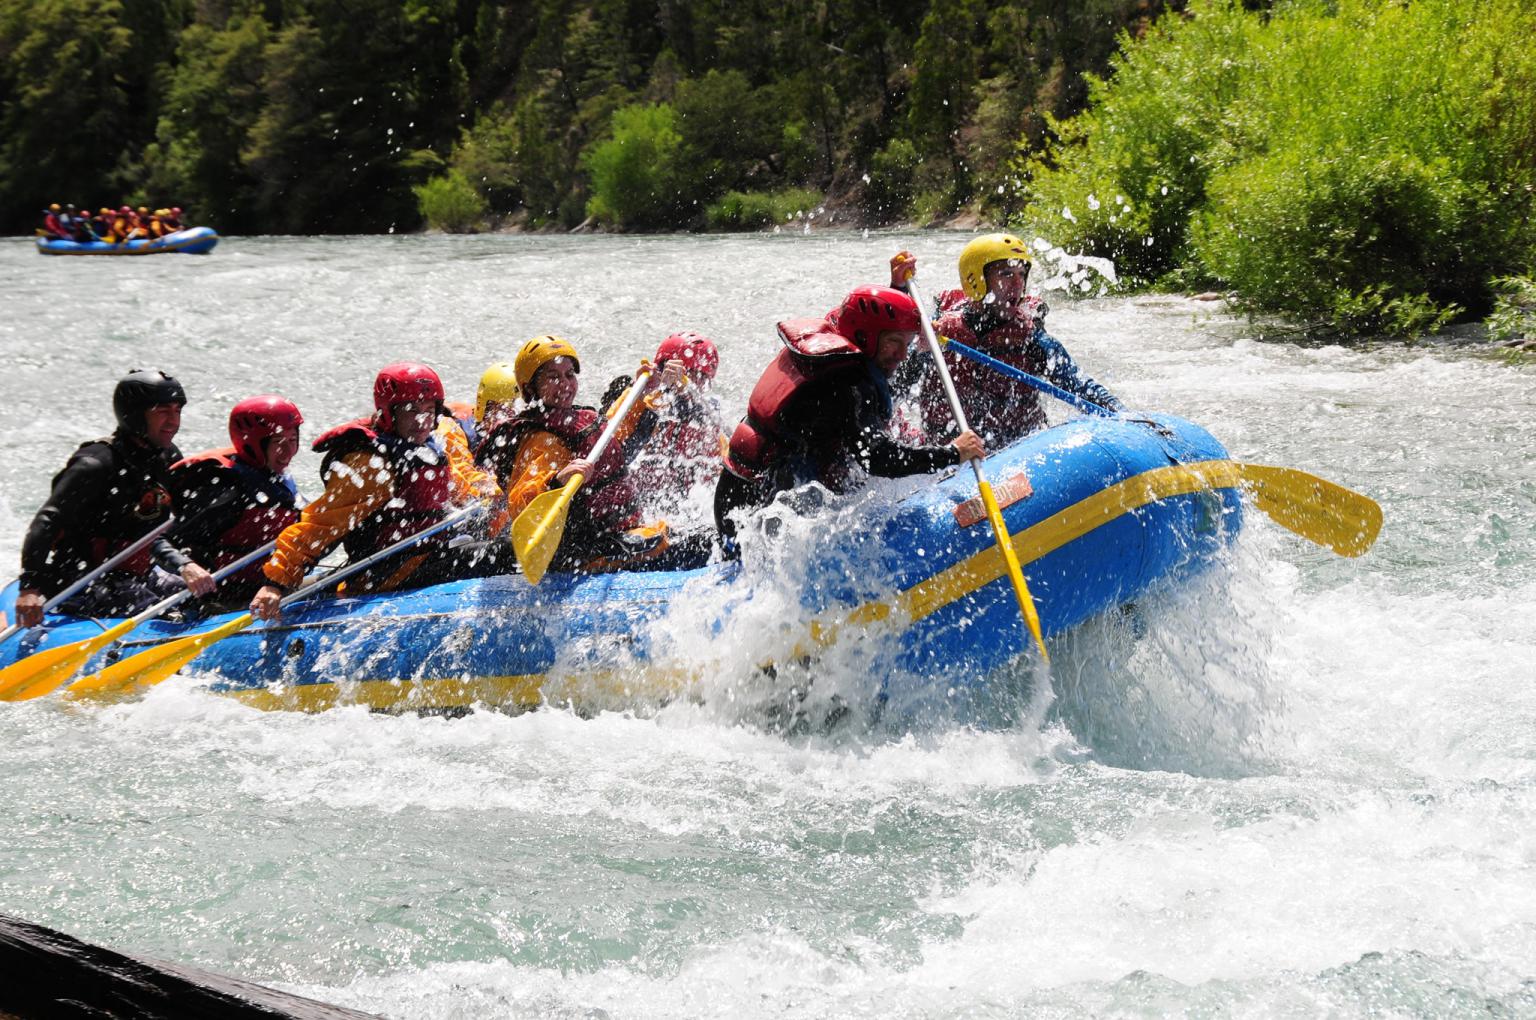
970,575
660,682
588,690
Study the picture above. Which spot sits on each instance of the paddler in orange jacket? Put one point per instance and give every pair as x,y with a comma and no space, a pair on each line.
547,443
386,478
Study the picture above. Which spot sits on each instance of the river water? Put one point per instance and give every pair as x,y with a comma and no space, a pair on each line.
1298,786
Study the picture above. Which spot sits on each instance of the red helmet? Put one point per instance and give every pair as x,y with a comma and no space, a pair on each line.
869,310
402,382
125,211
255,420
695,350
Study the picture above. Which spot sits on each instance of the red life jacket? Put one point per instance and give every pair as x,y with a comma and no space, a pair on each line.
683,451
812,351
263,504
997,407
423,486
608,500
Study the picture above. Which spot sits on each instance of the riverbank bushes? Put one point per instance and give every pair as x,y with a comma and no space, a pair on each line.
1364,163
754,210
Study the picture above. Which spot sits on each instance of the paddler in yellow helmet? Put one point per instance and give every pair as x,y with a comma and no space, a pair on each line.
993,312
548,441
496,398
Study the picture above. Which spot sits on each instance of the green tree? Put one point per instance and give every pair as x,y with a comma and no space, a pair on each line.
450,203
212,101
635,183
352,91
731,134
67,119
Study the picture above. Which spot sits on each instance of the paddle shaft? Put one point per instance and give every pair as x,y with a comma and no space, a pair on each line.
1035,381
138,545
635,390
994,512
171,602
157,662
61,663
535,547
609,431
346,570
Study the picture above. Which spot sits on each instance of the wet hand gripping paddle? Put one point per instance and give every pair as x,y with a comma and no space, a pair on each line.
162,661
49,669
141,543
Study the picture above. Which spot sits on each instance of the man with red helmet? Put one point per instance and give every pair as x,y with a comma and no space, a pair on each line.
111,492
387,477
993,312
822,410
235,500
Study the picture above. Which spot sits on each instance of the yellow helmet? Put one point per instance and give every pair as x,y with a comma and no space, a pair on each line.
498,384
982,252
537,353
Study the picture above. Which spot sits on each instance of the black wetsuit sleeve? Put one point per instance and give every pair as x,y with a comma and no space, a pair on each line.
82,485
885,457
880,452
166,556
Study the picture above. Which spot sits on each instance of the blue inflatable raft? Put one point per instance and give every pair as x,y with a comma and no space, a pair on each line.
1100,510
192,241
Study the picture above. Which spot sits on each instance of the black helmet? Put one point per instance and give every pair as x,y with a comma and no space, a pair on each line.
140,390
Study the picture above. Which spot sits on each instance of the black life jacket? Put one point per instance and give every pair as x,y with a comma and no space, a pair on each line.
140,502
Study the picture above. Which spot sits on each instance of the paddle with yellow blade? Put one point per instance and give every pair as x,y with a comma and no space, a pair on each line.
139,544
159,662
1314,508
538,529
52,667
994,513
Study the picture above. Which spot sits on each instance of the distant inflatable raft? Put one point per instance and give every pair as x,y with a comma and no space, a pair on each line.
192,241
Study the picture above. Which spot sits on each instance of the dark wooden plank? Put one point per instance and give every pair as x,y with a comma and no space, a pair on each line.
46,974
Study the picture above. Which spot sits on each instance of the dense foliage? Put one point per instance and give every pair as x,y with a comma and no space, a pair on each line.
334,115
1368,163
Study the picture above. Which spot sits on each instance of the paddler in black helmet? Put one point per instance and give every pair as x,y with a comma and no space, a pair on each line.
111,492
